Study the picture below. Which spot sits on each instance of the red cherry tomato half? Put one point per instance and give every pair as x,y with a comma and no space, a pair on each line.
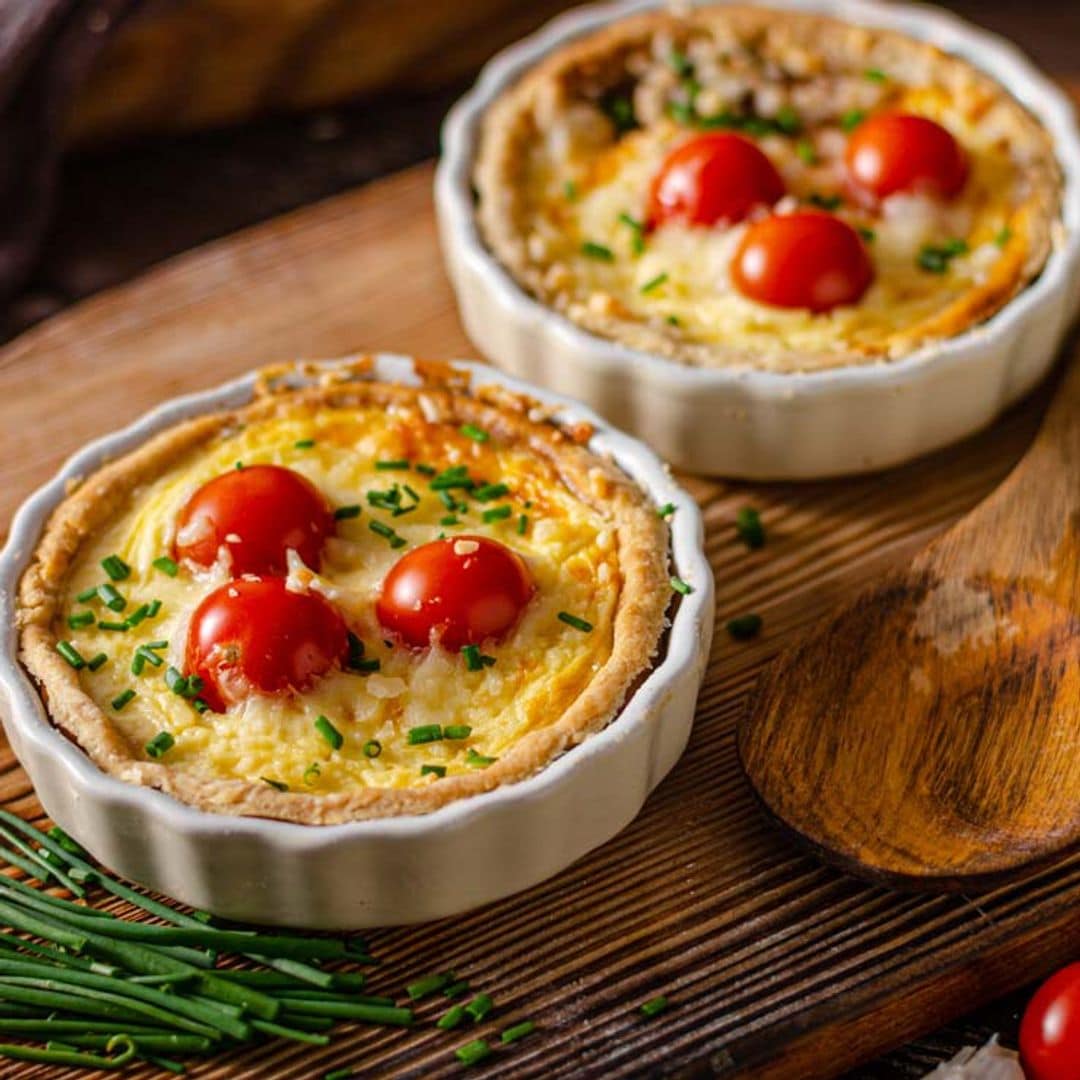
1050,1029
894,152
716,177
808,259
458,591
257,513
257,637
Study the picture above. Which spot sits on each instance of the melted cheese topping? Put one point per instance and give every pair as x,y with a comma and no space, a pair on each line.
696,298
539,669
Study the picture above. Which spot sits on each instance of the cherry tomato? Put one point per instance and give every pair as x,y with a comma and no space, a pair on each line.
894,152
457,591
258,637
257,513
808,259
715,177
1050,1029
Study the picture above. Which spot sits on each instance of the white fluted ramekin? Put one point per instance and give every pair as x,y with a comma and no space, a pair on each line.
382,872
759,424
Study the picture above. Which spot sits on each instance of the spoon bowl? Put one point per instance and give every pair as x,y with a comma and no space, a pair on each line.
928,733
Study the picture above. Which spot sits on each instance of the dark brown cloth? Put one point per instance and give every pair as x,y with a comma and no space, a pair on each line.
47,47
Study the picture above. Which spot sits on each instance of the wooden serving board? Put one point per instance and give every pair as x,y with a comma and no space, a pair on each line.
775,965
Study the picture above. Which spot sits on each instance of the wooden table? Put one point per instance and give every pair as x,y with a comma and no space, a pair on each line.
826,539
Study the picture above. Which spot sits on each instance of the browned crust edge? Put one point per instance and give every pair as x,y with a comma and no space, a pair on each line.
600,56
642,538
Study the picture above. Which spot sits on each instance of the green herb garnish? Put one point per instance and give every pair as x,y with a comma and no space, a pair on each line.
397,464
329,733
655,1006
496,513
477,434
343,513
472,1053
875,75
122,699
303,444
277,785
160,744
666,510
425,733
654,283
372,748
115,567
518,1031
479,1007
457,731
637,232
477,760
1003,237
852,119
522,524
71,654
807,154
576,622
427,985
749,528
80,619
935,258
384,530
570,191
111,597
166,565
98,661
451,1018
597,251
680,586
433,770
487,492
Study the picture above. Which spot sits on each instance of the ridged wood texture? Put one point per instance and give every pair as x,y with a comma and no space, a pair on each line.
776,966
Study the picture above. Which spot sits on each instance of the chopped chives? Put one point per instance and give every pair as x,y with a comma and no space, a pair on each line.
597,251
160,744
868,236
366,667
570,191
744,627
477,760
672,320
277,785
518,1031
156,645
178,683
490,491
97,662
425,733
311,772
497,513
457,731
523,524
425,470
433,770
384,530
343,1073
637,232
449,520
475,660
749,528
112,624
428,985
473,1053
807,154
680,586
413,494
654,283
451,1018
343,513
138,662
448,501
576,622
303,444
329,733
477,434
825,202
666,510
79,619
456,989
479,1007
70,654
87,595
852,119
155,607
111,597
356,650
137,616
875,75
115,567
150,657
655,1006
121,700
396,464
372,748
1003,237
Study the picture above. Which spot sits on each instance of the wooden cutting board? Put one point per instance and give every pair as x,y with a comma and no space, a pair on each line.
774,964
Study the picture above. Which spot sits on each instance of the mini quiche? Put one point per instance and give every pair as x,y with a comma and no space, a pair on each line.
347,600
779,190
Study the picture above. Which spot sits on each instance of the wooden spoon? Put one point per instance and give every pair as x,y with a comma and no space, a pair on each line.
928,734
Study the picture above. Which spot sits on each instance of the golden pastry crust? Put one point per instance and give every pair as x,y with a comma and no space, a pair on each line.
550,129
642,545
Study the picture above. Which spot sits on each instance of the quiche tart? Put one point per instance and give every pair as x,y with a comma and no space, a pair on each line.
348,599
740,187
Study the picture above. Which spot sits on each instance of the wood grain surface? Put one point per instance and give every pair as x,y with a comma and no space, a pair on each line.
925,734
776,965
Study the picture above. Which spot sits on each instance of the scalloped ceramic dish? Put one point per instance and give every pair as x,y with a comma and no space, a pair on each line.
389,870
751,422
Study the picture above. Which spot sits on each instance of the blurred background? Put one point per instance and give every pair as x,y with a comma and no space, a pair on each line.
166,123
